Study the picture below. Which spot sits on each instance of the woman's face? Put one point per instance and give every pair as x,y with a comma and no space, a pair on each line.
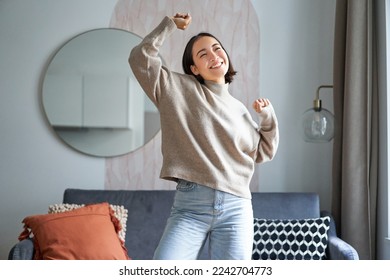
211,61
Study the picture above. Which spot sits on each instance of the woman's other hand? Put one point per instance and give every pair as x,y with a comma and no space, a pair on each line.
182,21
260,104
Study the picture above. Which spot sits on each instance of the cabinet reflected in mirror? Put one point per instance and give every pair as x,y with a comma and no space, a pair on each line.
91,98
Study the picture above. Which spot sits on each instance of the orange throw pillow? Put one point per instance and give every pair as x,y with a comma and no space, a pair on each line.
86,233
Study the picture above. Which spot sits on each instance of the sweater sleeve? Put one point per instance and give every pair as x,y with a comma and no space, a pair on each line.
146,63
269,135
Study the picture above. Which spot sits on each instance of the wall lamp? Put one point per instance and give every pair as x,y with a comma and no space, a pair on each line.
317,122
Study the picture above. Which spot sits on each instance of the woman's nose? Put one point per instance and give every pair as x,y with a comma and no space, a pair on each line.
213,56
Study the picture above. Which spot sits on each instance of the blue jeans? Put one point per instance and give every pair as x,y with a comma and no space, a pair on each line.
200,212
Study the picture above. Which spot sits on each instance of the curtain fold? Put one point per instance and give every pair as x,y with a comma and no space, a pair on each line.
355,155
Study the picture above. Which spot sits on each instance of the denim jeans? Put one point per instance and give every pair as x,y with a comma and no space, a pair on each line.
200,212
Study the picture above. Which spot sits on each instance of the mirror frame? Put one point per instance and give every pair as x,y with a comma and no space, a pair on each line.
77,97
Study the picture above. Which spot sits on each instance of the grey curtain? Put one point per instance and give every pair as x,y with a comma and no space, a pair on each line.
355,154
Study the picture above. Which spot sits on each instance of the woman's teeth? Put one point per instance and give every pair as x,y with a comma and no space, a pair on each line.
216,65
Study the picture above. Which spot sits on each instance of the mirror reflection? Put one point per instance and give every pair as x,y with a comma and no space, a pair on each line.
91,98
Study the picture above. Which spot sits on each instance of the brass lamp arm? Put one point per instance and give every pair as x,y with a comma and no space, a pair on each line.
317,102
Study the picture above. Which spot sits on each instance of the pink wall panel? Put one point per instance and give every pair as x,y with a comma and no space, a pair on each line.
234,23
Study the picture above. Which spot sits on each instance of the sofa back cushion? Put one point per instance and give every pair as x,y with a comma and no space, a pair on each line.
285,205
148,211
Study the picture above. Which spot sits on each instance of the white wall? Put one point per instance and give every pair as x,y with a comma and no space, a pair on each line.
296,45
36,167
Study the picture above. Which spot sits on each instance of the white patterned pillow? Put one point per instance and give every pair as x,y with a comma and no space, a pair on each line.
305,239
120,213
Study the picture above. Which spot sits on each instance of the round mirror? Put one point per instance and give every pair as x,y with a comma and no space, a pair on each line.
92,99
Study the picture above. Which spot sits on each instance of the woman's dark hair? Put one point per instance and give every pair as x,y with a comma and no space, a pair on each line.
188,61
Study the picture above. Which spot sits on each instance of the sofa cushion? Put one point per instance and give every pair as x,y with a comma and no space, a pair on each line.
147,216
294,239
267,205
120,213
87,233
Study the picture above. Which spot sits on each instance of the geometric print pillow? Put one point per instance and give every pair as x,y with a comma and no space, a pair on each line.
304,239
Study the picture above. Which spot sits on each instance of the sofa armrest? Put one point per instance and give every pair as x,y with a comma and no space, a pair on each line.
23,250
338,249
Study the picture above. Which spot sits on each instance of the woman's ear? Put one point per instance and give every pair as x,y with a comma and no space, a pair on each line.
194,70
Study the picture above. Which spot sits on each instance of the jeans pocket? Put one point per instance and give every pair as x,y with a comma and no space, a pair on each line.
185,186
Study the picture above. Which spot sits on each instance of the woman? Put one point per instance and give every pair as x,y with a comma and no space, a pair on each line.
210,145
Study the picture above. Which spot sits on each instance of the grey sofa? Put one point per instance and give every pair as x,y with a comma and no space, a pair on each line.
149,210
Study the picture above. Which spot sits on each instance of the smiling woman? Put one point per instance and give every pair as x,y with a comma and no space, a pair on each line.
92,99
210,145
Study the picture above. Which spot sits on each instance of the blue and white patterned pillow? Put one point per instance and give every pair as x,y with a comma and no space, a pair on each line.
305,239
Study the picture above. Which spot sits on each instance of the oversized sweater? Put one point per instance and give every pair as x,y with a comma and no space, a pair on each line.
208,136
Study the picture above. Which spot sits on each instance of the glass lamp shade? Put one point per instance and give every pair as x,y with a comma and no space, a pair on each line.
318,125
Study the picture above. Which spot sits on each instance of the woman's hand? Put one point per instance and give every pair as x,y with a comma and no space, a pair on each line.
182,20
260,104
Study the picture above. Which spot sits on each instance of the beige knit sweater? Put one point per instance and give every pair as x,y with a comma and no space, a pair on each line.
208,136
